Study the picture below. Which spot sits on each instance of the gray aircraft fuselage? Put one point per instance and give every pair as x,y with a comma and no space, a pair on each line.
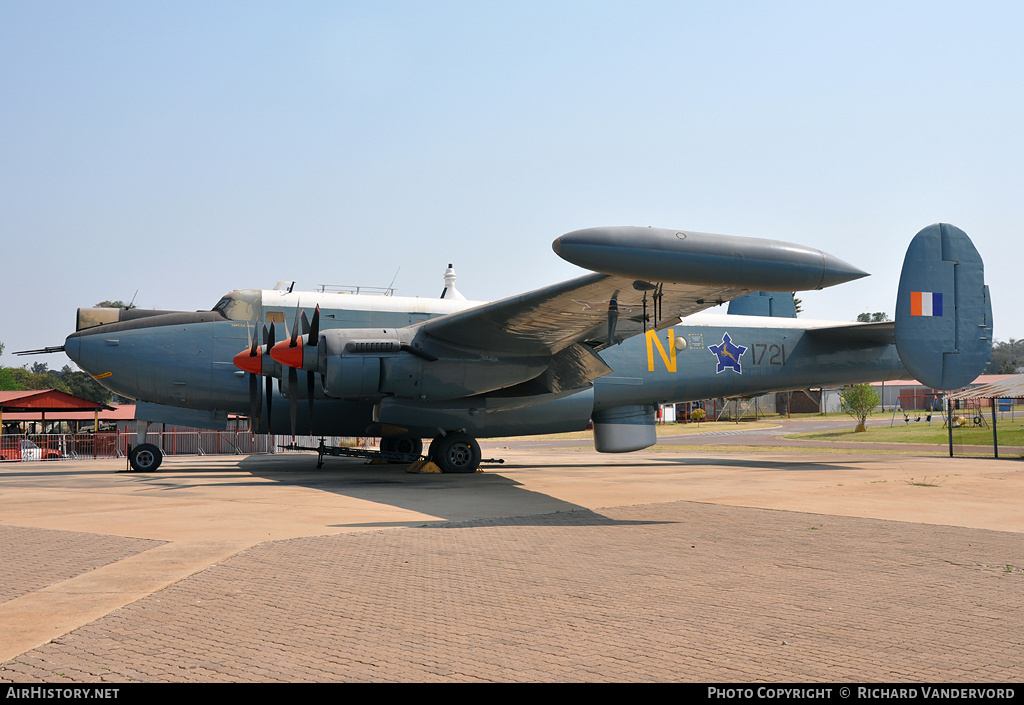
181,369
598,348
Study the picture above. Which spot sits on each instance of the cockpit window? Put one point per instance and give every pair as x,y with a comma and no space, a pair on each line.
240,305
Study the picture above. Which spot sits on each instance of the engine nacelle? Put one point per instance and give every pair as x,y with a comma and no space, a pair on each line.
360,363
351,377
349,360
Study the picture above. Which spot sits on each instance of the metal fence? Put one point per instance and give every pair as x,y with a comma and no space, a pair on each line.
65,446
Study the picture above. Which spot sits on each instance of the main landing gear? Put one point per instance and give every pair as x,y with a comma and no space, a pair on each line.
455,453
401,449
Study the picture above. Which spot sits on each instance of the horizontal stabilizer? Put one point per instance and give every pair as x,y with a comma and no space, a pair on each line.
858,333
943,312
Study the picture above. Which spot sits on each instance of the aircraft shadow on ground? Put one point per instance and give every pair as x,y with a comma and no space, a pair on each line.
752,463
449,497
759,464
431,493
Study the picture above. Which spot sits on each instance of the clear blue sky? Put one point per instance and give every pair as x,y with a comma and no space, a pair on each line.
184,149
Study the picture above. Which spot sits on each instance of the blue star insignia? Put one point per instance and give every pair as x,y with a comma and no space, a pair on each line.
728,354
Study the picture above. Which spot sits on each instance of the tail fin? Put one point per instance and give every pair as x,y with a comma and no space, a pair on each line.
943,311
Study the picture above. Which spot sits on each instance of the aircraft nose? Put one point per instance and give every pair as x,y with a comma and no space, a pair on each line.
73,348
90,353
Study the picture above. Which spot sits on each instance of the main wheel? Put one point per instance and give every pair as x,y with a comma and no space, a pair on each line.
401,449
456,452
145,458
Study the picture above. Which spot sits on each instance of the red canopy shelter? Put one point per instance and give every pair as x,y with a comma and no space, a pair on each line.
42,401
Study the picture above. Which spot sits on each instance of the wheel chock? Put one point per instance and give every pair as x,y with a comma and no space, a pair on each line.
423,465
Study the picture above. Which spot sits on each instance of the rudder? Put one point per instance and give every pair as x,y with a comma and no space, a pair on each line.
943,311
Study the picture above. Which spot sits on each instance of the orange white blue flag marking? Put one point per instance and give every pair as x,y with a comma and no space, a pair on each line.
925,303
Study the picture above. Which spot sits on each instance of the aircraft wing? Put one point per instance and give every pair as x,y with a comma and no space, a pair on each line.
596,309
645,278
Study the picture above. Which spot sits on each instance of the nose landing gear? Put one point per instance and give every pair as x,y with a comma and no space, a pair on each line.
145,458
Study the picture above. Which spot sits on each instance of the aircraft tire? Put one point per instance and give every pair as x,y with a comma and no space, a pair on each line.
401,449
145,458
456,453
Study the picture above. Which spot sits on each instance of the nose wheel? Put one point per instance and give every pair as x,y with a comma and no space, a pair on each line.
456,453
145,457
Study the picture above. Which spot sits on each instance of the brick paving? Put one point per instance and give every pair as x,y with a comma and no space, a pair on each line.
31,559
676,591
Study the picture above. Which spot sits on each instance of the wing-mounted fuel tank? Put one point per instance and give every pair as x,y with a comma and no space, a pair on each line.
943,311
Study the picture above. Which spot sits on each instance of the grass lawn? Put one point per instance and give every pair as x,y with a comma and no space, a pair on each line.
1011,433
676,429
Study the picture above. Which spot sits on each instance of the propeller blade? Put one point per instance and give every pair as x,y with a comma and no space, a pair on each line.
310,379
268,340
254,349
255,399
295,329
254,402
312,339
269,388
313,335
293,405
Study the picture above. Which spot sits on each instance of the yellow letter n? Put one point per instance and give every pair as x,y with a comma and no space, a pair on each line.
668,358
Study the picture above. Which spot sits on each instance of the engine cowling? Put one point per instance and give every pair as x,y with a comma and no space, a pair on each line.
349,360
360,363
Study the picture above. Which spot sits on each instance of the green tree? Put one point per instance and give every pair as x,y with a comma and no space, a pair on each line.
858,400
7,381
115,304
66,380
876,317
1006,358
84,386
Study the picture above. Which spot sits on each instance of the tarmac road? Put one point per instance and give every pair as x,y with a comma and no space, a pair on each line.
561,565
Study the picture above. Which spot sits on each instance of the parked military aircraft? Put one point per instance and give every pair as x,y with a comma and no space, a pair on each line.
607,346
